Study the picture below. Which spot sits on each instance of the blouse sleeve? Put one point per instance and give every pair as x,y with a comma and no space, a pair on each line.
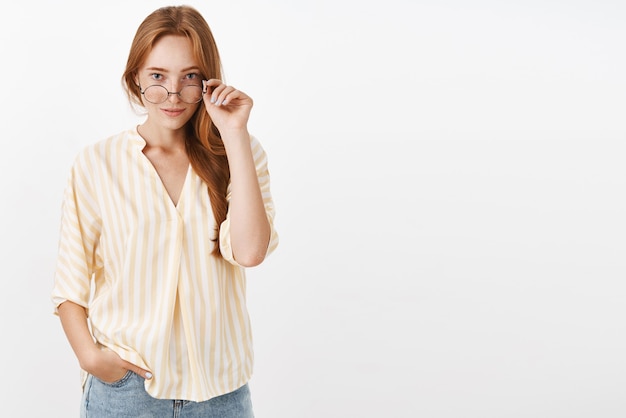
77,258
260,162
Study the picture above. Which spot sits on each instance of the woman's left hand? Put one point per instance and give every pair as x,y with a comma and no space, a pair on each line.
228,107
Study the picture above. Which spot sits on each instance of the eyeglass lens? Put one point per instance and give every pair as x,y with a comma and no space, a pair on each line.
159,94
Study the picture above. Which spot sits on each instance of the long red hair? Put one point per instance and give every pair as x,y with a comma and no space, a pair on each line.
204,145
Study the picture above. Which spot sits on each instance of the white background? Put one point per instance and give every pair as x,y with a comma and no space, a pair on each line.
449,179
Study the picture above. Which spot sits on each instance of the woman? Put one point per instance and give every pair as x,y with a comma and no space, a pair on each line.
158,225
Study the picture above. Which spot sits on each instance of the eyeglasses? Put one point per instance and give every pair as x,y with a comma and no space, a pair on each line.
158,94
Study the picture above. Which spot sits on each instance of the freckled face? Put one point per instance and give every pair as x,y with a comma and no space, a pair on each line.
170,64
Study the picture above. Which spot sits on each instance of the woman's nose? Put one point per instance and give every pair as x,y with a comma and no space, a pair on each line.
174,95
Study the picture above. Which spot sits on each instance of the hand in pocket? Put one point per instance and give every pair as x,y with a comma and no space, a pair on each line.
107,366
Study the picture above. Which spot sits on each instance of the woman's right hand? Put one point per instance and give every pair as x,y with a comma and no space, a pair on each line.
109,367
103,363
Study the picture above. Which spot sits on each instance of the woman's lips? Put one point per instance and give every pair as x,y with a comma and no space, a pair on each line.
173,112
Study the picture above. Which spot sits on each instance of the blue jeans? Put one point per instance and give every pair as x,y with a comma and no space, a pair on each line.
127,398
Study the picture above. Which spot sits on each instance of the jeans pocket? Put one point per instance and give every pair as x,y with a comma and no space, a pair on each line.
118,383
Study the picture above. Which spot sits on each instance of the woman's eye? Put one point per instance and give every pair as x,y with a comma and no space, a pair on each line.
156,76
192,76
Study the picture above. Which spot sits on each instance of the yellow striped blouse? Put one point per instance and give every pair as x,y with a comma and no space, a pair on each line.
142,268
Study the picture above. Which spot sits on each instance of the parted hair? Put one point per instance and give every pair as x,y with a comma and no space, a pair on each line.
204,145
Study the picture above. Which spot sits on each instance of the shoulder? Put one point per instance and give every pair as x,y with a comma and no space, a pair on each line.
120,141
106,149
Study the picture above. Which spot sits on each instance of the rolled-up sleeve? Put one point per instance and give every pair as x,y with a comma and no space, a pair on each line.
263,175
78,256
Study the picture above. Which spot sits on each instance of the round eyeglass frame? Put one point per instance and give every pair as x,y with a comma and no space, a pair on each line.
169,93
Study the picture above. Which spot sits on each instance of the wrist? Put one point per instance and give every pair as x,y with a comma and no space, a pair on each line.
235,132
234,139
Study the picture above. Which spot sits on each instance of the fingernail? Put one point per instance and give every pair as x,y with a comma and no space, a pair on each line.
212,100
148,375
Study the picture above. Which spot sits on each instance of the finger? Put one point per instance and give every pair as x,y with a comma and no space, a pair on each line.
217,92
211,84
138,370
208,85
221,98
234,95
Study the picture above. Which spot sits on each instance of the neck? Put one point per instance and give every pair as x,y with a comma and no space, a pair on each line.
168,140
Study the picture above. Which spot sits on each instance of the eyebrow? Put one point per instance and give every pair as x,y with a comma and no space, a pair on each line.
163,70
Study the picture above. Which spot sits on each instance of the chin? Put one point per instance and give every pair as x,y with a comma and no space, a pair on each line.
174,124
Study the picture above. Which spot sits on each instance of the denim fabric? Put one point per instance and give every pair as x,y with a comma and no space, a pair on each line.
127,398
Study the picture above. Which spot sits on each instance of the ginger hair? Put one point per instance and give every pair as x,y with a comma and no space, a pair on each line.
203,145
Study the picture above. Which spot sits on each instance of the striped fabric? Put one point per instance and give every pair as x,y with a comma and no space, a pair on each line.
142,268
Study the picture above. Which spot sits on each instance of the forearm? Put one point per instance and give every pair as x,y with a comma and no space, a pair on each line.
74,320
249,226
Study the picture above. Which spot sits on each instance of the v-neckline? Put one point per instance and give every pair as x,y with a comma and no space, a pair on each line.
181,192
155,172
164,192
